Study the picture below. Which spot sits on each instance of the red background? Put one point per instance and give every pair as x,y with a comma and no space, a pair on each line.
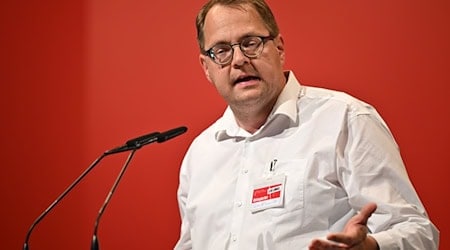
80,77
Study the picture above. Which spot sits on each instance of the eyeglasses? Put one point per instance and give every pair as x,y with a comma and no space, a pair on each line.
251,46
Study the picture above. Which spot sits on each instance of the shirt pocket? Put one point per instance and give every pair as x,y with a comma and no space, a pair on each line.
294,189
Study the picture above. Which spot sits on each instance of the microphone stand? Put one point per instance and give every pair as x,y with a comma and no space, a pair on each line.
131,145
135,144
95,242
61,196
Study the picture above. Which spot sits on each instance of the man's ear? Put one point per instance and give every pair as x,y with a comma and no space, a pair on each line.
204,65
279,42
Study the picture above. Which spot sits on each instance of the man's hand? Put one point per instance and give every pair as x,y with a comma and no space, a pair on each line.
354,236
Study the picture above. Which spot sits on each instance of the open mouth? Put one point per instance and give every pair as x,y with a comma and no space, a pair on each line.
246,79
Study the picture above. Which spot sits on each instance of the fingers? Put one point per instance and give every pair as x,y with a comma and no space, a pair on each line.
367,211
353,238
355,232
353,235
319,244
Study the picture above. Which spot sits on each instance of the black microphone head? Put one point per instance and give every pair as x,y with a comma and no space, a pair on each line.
142,140
169,134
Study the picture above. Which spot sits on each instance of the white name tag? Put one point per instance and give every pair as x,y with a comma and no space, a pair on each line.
268,193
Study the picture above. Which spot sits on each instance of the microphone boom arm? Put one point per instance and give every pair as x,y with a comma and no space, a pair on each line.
95,243
60,197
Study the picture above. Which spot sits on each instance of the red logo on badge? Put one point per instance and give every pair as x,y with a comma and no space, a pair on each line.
266,193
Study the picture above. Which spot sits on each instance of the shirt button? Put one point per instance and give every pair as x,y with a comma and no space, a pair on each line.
233,237
239,204
245,171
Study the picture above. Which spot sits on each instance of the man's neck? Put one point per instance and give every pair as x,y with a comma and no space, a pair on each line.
251,119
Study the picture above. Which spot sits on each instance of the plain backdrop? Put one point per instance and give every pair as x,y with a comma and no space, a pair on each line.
80,77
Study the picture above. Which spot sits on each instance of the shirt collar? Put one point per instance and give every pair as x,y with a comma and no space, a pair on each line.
284,113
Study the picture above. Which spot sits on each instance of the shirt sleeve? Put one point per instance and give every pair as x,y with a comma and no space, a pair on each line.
372,170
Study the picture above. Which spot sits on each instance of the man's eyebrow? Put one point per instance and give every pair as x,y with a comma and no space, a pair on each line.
238,40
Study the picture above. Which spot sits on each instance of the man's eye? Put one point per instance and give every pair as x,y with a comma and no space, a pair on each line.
251,43
221,50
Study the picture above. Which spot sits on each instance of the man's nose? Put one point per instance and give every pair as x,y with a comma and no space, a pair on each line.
239,58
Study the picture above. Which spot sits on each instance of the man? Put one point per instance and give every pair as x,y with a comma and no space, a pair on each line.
288,166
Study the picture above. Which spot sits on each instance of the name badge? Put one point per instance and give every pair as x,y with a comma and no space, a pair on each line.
269,193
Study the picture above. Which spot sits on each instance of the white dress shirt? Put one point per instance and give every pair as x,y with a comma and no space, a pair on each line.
335,154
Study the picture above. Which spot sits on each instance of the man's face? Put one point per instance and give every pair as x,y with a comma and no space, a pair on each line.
245,81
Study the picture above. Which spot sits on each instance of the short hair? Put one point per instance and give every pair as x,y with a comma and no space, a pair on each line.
259,5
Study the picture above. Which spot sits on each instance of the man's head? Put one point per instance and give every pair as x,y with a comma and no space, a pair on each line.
259,5
242,53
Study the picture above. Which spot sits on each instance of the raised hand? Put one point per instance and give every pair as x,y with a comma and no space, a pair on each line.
354,236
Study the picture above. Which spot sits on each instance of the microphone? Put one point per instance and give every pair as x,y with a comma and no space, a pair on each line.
135,143
169,134
161,137
132,144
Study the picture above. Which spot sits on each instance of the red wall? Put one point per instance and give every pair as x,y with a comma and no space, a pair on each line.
80,77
